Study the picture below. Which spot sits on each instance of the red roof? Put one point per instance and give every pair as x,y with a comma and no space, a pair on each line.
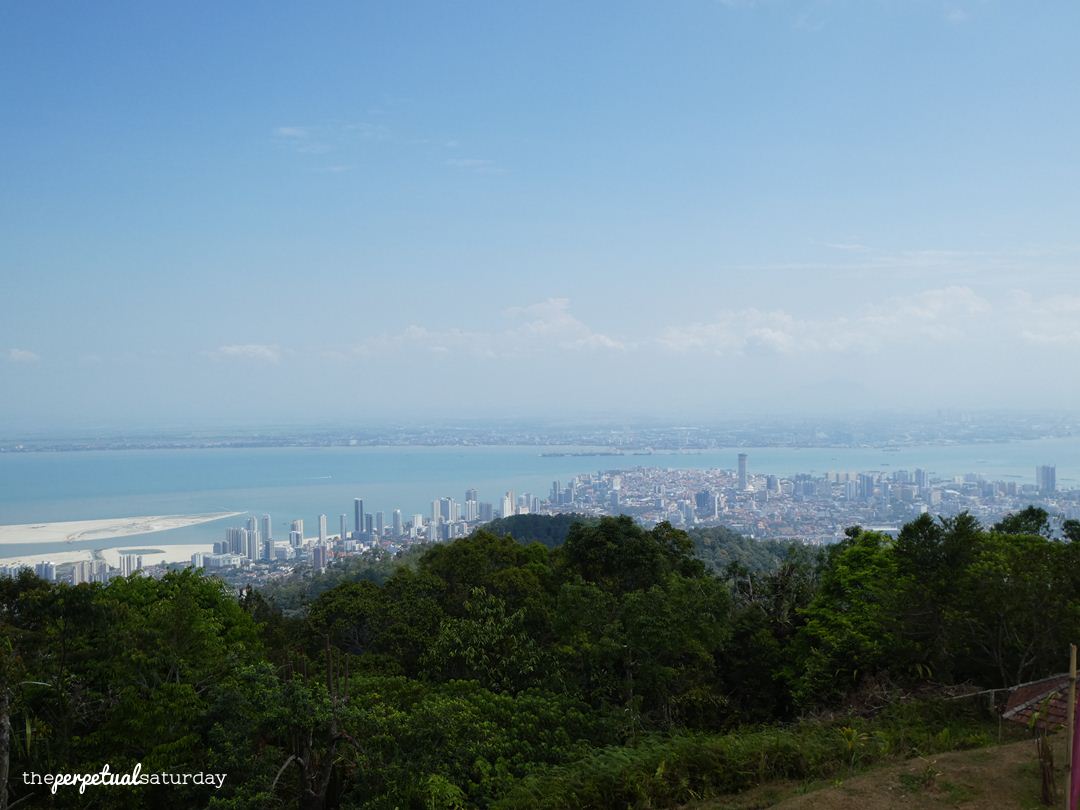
1028,698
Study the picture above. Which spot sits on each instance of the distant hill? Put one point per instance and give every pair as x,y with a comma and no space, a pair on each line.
549,530
719,546
716,546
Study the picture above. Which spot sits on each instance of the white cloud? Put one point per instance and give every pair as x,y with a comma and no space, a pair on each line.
939,314
21,356
946,320
477,165
551,320
259,352
1050,321
537,328
296,133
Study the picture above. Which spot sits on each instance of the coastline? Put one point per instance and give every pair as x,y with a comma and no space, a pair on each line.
155,555
76,531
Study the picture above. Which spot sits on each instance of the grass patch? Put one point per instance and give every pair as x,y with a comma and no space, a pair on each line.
668,771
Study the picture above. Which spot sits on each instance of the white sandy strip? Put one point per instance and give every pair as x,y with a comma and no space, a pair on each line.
80,530
158,554
56,558
155,555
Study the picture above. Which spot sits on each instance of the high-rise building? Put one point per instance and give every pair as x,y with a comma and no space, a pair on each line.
344,527
471,495
485,512
82,571
322,530
395,524
296,539
865,483
129,564
1046,478
252,545
47,570
688,513
318,558
508,504
472,511
235,539
358,515
298,526
267,528
743,478
380,524
436,511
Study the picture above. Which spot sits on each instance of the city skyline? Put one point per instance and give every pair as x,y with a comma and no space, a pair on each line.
813,508
738,206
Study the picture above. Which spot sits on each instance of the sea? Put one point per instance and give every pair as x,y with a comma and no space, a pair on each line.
304,482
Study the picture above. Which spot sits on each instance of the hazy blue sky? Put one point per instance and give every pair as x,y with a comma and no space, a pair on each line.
310,211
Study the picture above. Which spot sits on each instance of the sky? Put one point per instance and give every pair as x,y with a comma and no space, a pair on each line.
343,211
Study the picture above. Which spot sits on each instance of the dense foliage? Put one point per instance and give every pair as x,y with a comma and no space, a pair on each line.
608,666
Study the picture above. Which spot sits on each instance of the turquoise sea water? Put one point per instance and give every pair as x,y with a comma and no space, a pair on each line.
302,482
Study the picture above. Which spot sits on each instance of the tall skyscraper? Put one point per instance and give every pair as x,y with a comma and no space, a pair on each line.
380,524
267,528
298,526
743,478
318,558
1046,478
358,515
344,526
471,495
508,504
322,529
395,523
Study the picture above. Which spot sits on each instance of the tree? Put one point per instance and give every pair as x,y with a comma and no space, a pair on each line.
619,555
1031,520
1016,609
851,629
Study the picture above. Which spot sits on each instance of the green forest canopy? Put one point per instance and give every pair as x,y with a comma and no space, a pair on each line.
608,665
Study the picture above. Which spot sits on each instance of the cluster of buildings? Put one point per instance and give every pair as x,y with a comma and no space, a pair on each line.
254,544
94,570
811,508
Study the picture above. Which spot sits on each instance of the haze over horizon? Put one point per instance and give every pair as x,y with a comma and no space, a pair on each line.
424,210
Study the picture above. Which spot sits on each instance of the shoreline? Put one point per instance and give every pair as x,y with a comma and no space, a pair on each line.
155,555
78,531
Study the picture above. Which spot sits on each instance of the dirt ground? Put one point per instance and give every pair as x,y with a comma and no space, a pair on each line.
996,778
